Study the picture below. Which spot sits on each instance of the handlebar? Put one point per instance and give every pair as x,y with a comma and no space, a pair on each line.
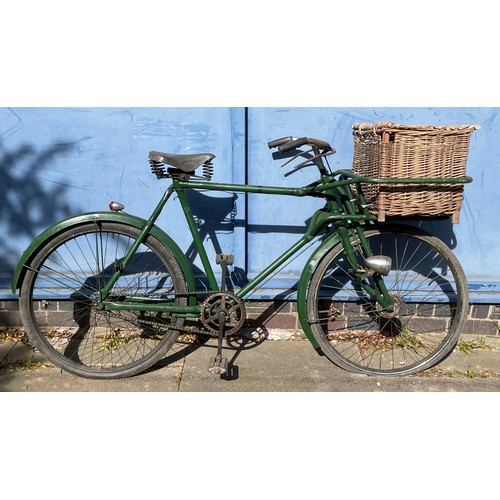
279,142
297,143
288,143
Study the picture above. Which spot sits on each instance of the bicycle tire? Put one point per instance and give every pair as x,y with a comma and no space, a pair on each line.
430,293
59,306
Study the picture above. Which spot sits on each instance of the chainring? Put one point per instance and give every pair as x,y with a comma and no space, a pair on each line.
231,304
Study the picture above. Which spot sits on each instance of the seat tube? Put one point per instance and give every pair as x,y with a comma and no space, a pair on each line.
212,282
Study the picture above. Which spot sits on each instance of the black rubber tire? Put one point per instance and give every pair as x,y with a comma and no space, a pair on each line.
58,306
429,285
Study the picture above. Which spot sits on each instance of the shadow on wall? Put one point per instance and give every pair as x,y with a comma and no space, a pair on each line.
27,204
443,229
215,215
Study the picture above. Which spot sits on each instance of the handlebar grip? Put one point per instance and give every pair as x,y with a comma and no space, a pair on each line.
279,142
296,143
320,144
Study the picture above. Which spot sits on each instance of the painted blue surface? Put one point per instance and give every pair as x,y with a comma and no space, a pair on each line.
56,162
475,242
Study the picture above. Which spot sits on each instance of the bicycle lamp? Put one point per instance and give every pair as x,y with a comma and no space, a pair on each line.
379,263
115,206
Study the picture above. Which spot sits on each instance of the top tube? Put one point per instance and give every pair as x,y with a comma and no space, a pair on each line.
318,187
244,188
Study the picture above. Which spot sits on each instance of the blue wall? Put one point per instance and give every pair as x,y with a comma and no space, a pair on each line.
56,162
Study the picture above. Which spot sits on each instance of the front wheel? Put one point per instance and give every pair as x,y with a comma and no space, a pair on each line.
430,304
61,309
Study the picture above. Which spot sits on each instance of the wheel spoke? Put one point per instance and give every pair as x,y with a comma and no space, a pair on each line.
67,324
421,326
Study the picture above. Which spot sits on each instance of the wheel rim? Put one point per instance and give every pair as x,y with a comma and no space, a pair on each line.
66,314
420,328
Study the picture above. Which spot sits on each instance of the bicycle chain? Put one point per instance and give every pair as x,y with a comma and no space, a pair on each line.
212,332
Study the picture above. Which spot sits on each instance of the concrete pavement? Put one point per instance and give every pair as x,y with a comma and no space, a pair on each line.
266,366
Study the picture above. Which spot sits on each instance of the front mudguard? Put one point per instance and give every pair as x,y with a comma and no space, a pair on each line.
304,280
115,217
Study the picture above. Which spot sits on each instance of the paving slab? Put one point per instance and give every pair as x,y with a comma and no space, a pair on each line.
266,366
295,366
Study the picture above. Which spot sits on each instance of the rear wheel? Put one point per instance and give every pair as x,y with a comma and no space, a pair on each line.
60,301
430,304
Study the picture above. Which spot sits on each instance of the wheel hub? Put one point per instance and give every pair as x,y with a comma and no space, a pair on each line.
393,310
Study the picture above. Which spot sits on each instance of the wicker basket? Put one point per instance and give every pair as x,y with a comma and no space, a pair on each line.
386,150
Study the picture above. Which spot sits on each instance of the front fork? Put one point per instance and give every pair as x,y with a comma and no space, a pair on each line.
379,293
355,231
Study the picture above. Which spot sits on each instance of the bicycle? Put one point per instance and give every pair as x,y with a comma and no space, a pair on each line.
126,291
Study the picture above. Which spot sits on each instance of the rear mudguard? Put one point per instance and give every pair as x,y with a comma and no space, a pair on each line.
303,285
115,217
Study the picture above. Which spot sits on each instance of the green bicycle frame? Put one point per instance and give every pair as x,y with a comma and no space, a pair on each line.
319,221
342,211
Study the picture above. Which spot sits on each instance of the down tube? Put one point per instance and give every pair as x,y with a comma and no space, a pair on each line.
273,266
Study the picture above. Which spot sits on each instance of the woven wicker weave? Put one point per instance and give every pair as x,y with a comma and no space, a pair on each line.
387,150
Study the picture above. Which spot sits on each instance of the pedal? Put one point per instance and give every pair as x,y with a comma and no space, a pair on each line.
218,365
224,258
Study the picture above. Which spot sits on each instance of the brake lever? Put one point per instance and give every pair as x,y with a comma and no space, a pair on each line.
298,167
304,163
296,156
